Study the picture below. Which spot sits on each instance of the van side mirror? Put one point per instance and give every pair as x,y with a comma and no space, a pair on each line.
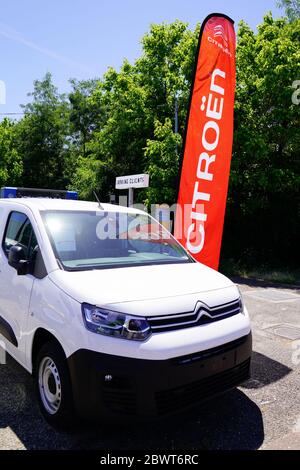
17,260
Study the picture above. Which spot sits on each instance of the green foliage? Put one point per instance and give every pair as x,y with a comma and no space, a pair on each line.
267,148
10,161
132,100
42,136
265,177
86,113
162,164
84,179
291,7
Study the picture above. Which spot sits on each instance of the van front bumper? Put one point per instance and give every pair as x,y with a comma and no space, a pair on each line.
114,387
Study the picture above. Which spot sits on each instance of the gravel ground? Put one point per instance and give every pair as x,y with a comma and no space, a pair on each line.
262,414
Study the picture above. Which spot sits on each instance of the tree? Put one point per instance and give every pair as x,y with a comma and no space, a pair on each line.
42,137
119,135
166,67
132,100
291,7
10,161
86,113
162,166
265,178
86,176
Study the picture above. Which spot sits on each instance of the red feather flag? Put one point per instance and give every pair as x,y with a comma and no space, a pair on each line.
206,157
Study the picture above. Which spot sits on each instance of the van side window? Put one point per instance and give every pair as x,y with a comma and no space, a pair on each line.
19,232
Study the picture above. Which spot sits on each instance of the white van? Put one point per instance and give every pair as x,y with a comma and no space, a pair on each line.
110,314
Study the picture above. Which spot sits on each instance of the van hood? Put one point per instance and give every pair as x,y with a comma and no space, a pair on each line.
108,287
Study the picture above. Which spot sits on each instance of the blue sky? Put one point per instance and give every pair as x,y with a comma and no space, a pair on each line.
81,38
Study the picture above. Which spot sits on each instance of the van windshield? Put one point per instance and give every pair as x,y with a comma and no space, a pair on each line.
84,240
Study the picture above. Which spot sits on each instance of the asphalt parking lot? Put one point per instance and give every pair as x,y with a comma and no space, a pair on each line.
262,414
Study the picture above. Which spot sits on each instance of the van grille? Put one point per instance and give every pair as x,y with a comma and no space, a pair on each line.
209,353
120,401
184,396
200,316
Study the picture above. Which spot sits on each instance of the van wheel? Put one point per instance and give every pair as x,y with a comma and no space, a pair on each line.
53,386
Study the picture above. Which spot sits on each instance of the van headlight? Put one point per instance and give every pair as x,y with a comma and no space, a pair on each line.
119,325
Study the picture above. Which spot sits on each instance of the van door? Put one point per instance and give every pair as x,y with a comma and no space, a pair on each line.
15,290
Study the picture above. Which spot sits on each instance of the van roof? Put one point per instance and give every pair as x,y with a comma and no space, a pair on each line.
41,204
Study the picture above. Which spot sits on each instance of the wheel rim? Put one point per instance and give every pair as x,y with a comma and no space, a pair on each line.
49,385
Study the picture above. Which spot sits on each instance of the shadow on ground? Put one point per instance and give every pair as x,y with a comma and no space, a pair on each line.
231,421
265,371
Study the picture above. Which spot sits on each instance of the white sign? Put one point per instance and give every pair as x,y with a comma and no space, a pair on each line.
132,181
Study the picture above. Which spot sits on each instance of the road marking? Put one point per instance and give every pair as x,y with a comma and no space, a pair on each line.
9,440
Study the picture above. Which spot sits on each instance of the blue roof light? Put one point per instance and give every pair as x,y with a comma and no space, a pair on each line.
72,195
9,192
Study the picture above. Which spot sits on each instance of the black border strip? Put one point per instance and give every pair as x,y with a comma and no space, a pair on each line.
7,331
220,15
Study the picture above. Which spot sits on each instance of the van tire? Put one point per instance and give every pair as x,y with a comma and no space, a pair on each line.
53,386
